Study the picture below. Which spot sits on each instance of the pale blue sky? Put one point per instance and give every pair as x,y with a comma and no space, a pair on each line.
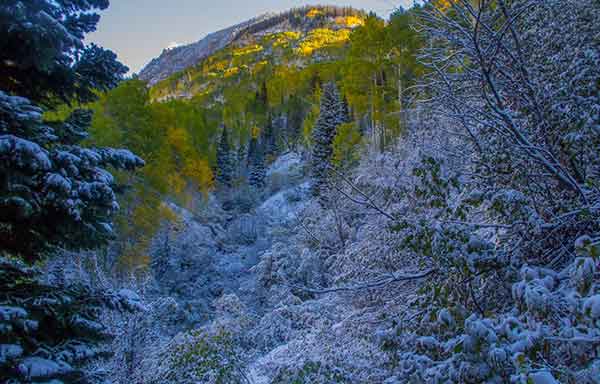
138,30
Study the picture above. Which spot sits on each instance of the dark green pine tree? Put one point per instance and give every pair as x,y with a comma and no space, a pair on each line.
225,161
259,105
263,95
42,54
330,117
241,161
54,193
256,164
269,139
295,119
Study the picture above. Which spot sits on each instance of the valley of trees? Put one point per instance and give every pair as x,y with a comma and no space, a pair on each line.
332,198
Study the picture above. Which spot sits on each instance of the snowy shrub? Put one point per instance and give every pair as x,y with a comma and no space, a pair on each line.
309,373
197,357
51,329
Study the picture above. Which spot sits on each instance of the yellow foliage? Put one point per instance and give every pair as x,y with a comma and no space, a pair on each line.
321,38
349,21
199,171
140,227
247,50
283,39
178,138
259,66
217,66
255,132
167,213
443,5
176,182
314,13
231,72
143,218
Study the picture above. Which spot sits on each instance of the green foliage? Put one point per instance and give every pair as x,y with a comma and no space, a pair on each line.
379,67
202,358
346,146
281,74
311,373
175,139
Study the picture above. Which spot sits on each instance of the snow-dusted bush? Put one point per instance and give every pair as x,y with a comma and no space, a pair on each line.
51,328
197,357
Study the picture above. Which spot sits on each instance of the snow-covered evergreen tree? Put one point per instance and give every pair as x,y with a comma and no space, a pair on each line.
42,52
330,117
225,161
256,164
53,192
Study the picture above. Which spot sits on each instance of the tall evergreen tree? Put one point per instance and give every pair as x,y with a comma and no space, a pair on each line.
225,161
269,139
330,117
261,100
54,193
295,119
241,161
256,164
42,54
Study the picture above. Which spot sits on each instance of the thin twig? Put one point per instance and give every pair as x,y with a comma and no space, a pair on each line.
370,285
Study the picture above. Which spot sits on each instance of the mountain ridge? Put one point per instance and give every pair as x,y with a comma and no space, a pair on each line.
179,58
182,57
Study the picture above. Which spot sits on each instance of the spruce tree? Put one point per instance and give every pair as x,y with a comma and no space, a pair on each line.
54,193
295,119
241,161
330,117
269,139
42,53
256,164
225,161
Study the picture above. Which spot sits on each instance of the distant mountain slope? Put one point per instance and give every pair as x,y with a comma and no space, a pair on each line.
182,57
178,59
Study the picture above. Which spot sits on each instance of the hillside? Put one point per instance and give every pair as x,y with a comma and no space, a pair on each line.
264,86
182,57
297,23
